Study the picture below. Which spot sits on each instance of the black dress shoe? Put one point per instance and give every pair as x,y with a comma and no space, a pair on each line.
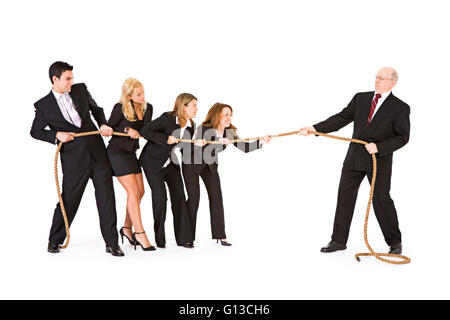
224,243
396,248
333,246
115,250
53,248
137,243
122,234
188,245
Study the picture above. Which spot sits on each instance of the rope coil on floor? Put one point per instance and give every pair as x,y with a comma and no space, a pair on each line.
403,259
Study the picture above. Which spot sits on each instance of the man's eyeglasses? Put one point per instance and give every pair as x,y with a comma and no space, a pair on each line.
381,78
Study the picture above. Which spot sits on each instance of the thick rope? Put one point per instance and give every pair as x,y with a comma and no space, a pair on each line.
58,189
403,259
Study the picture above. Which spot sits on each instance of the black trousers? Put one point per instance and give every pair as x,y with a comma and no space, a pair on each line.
172,177
74,184
212,184
383,205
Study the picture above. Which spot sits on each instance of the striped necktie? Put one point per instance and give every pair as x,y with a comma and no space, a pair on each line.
372,107
73,114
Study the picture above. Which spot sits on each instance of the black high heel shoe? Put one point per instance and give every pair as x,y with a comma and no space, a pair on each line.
189,245
151,248
122,234
224,243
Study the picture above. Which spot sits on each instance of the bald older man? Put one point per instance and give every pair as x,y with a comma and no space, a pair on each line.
383,120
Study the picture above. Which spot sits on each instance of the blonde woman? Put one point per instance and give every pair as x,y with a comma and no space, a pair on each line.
216,127
129,116
161,167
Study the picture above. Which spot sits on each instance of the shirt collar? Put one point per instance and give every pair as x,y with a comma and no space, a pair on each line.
188,124
383,95
58,95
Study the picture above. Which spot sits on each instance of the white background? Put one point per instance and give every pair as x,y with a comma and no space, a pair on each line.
280,65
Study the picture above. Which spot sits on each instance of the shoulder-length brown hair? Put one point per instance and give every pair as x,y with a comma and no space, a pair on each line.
182,101
213,117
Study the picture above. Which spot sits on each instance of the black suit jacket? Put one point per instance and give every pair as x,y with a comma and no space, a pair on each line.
118,122
75,154
156,151
208,155
389,129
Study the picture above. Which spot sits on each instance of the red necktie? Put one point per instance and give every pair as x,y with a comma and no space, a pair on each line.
372,107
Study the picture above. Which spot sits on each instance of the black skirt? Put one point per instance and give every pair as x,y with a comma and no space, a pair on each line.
123,162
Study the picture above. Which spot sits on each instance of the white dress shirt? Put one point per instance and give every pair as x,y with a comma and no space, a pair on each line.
177,151
380,101
62,107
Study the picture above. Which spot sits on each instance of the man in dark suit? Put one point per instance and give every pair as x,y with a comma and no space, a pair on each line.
66,110
383,120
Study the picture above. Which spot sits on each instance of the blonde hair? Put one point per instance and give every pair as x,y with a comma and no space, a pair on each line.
182,101
125,99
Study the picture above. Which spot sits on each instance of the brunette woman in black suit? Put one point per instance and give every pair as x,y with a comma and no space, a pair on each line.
161,166
216,127
130,115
